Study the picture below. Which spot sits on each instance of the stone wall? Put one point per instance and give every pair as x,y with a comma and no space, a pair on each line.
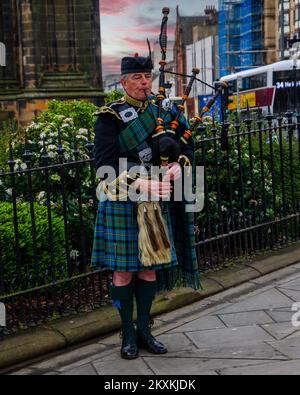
53,52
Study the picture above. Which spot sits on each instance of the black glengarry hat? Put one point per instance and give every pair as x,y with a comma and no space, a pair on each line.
136,64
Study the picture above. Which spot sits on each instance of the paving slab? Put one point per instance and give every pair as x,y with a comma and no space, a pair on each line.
270,299
280,330
291,282
85,361
193,366
281,316
205,323
233,336
291,368
176,342
246,319
292,294
276,276
118,367
71,357
86,370
262,351
289,347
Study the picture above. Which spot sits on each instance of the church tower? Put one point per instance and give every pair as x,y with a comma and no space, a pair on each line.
53,51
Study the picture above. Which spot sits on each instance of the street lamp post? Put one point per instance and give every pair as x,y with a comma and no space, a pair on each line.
295,55
282,36
239,88
295,83
2,55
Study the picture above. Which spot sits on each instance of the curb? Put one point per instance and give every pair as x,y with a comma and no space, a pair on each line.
64,333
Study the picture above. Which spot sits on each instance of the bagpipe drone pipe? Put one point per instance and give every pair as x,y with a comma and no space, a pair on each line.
168,145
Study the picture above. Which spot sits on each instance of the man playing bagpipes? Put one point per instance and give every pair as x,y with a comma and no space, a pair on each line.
152,239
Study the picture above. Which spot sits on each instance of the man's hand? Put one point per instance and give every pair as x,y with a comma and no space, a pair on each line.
174,172
154,189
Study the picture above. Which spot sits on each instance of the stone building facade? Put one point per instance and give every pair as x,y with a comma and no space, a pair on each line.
188,30
290,25
53,51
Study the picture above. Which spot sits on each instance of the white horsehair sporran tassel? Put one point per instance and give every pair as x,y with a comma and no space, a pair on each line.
154,239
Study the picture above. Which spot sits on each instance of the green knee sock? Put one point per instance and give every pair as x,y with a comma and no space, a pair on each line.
145,294
123,301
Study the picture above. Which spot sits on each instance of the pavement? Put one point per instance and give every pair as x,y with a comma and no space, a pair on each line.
250,329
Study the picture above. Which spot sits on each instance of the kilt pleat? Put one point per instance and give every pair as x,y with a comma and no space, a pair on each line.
116,238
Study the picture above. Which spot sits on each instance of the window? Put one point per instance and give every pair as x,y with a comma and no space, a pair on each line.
255,82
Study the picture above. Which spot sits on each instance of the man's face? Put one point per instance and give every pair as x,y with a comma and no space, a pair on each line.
136,85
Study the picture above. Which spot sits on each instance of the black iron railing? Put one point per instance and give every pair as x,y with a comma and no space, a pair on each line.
252,188
48,210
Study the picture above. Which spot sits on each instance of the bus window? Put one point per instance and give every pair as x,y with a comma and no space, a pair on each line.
255,82
234,85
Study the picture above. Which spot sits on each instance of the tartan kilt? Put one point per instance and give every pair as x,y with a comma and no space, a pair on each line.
116,238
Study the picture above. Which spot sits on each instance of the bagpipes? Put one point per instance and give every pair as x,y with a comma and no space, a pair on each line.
155,246
168,145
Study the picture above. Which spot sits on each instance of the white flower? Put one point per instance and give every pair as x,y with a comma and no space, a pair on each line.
9,191
51,154
74,254
23,166
52,147
42,136
41,196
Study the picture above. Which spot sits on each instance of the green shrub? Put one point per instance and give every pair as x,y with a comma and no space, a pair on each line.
35,263
72,120
216,158
113,96
81,112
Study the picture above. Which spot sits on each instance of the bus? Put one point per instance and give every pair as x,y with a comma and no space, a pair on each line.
274,88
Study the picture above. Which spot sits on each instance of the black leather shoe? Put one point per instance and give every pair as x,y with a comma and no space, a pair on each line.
151,345
129,350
